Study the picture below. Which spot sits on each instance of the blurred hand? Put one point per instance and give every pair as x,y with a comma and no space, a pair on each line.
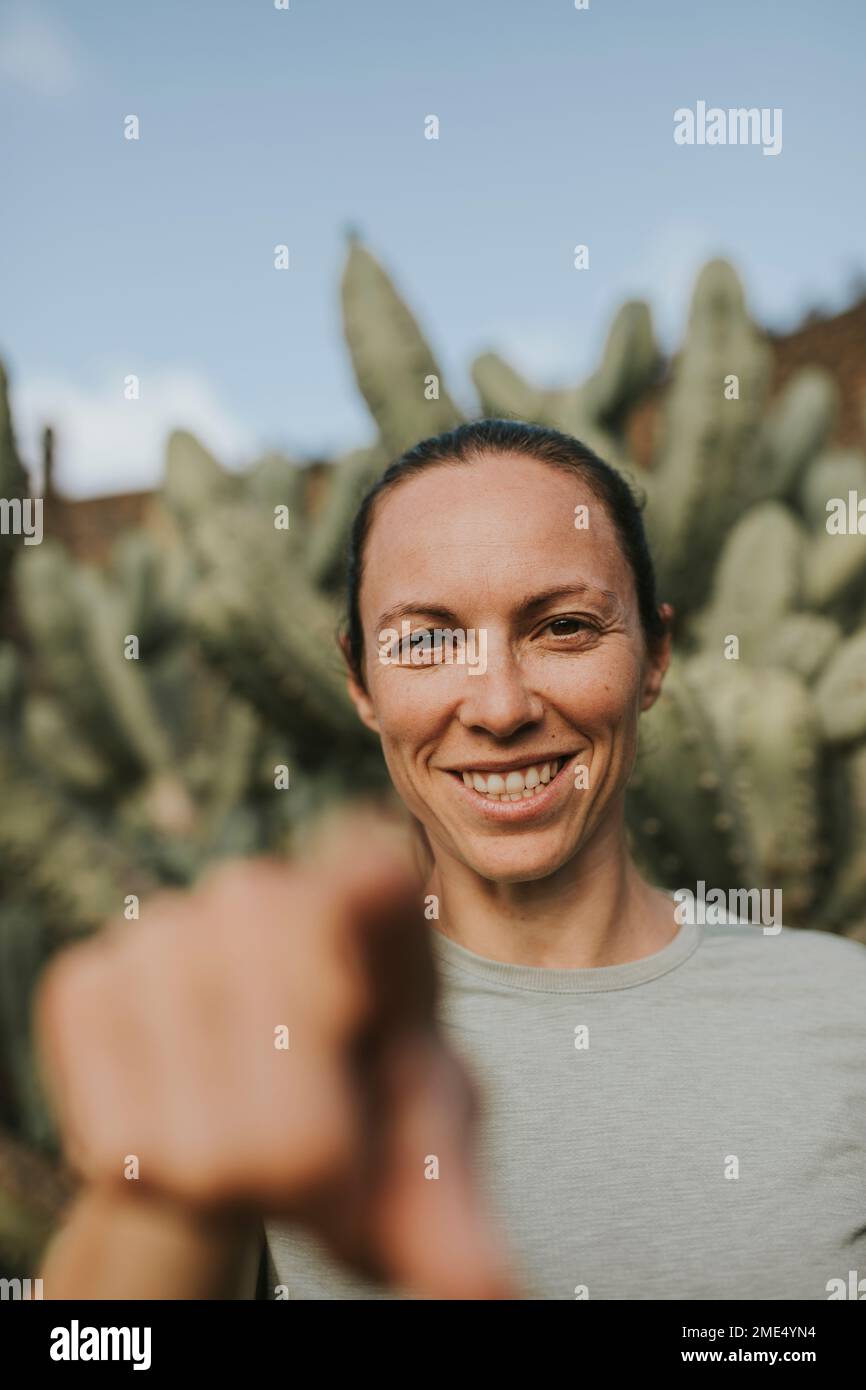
158,1041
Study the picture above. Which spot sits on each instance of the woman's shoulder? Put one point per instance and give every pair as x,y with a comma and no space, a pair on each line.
819,960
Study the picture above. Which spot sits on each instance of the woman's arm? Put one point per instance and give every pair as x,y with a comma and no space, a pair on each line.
256,1048
142,1245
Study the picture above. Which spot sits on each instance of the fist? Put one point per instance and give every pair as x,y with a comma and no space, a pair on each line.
268,1041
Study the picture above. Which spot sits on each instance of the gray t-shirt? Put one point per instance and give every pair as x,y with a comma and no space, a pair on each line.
690,1125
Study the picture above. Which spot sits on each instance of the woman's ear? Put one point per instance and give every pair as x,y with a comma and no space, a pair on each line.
357,694
659,661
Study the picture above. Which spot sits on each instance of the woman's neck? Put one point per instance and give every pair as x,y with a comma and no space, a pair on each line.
596,910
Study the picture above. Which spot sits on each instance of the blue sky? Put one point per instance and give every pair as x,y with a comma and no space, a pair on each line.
262,126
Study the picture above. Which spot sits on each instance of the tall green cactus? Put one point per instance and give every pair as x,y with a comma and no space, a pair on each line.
684,808
394,366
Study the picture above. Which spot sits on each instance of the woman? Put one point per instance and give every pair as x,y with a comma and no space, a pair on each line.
666,1110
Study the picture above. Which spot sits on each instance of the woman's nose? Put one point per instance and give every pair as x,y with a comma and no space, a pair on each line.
498,698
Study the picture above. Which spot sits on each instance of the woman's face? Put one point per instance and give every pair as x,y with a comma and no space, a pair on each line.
491,550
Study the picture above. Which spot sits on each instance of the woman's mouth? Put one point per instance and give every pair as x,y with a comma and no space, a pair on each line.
517,794
516,785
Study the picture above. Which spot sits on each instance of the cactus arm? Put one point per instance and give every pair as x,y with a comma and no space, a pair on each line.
326,546
682,807
709,441
390,356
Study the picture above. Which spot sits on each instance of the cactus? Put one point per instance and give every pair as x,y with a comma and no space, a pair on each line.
73,872
845,897
758,580
274,633
795,428
630,362
276,481
326,542
833,474
594,411
709,443
13,478
394,367
684,810
504,394
840,693
802,643
769,731
193,478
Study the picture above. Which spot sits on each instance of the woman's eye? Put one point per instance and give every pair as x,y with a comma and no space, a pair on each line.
423,642
568,627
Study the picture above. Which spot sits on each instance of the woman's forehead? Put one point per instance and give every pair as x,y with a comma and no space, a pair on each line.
496,497
504,524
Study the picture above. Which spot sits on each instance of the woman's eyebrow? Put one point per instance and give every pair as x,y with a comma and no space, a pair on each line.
414,608
606,599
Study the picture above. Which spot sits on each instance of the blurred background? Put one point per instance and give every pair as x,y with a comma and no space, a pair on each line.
215,334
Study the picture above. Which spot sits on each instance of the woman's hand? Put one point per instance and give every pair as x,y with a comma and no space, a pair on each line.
267,1043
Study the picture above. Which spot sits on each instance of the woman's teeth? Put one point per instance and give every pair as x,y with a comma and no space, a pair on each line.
513,786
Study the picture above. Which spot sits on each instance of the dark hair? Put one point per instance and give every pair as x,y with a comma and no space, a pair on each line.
472,441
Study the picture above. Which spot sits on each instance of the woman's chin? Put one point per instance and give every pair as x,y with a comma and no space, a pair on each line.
509,864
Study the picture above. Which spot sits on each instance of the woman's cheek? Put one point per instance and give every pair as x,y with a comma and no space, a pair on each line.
406,711
409,724
596,698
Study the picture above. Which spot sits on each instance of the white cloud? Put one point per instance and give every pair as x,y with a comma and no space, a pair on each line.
106,444
37,52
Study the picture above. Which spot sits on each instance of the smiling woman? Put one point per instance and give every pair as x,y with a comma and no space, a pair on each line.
576,646
630,1144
